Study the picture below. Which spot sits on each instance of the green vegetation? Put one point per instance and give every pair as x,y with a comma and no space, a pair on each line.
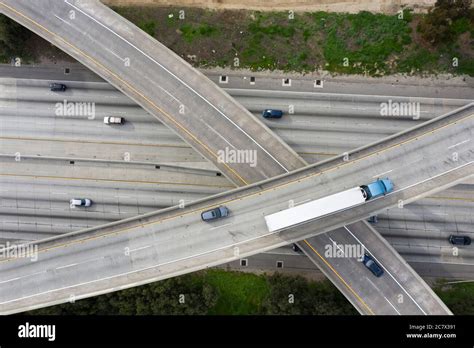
185,295
458,297
448,29
148,27
240,293
309,298
363,43
215,292
12,40
190,31
446,21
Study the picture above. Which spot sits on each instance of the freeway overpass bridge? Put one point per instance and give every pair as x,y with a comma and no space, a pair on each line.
188,103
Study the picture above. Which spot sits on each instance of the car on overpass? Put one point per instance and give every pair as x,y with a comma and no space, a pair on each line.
214,214
370,263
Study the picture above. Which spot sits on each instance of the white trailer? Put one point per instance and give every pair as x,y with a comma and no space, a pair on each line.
315,209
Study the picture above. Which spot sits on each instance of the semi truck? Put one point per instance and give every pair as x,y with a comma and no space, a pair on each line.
327,205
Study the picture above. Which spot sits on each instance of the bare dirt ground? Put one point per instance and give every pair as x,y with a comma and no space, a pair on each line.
352,6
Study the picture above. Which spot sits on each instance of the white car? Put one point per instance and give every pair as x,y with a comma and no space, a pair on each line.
113,120
80,202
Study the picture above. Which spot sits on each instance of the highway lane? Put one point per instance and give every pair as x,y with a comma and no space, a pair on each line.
158,80
201,246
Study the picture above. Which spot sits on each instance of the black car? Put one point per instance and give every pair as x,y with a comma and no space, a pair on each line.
272,113
57,87
373,219
459,240
370,263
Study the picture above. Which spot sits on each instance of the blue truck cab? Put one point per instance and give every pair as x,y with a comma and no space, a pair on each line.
378,188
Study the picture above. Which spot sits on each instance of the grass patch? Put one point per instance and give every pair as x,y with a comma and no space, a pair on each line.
239,293
191,32
418,60
458,297
148,27
363,42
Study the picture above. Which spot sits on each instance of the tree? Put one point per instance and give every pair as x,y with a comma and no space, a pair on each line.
12,37
436,26
187,295
297,296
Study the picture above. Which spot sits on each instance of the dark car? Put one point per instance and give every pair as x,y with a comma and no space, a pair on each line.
271,113
370,263
373,219
215,213
459,240
57,87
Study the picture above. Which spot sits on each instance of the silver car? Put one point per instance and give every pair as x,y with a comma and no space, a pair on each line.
215,213
80,202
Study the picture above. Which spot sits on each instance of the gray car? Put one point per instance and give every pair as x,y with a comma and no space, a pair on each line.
215,213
